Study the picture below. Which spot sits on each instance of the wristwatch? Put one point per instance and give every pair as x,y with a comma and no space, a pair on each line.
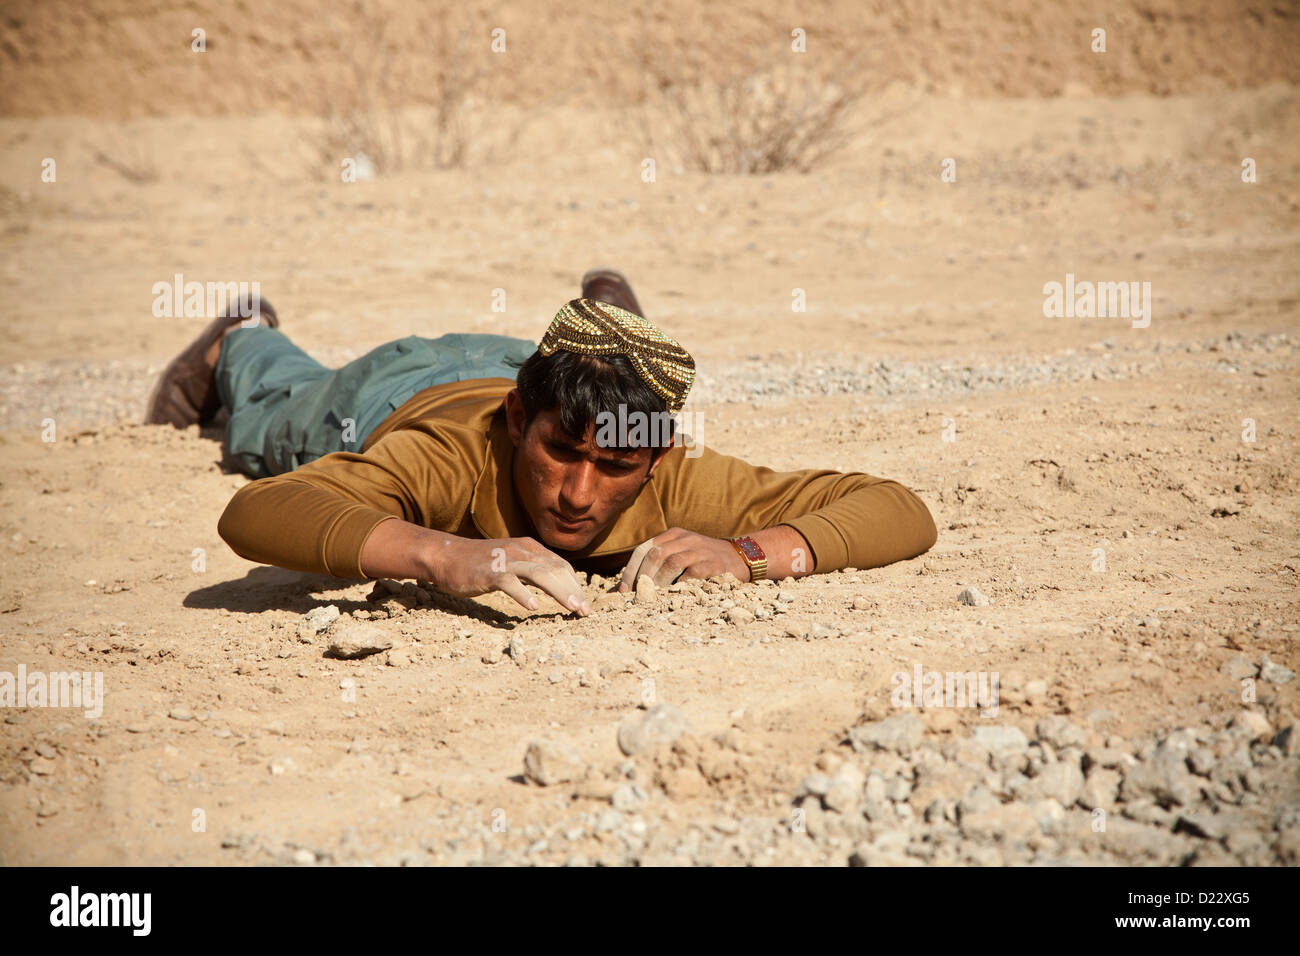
753,555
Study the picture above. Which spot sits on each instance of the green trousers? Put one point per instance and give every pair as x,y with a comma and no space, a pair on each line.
287,409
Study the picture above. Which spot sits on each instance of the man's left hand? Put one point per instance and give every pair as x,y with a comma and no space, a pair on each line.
678,554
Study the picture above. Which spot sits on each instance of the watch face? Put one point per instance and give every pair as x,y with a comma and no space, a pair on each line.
751,549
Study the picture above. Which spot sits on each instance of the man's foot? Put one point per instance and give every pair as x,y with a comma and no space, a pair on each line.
610,285
186,391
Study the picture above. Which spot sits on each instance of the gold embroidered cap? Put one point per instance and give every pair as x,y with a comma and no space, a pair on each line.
589,327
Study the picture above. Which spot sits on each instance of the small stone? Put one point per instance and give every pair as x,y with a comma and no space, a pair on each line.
42,766
180,713
351,641
627,797
739,616
1287,740
972,597
279,766
645,589
1252,724
316,621
1100,790
1062,782
900,733
304,857
661,724
1238,667
547,763
999,738
785,597
1274,673
1061,733
516,649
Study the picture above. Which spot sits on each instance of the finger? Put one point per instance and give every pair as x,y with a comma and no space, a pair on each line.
628,581
559,583
511,585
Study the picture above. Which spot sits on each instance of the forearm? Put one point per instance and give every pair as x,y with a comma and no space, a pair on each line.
294,525
788,552
869,527
400,549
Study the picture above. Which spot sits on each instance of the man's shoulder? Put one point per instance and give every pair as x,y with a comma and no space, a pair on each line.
468,405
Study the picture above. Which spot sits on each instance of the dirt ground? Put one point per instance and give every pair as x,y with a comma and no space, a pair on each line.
923,356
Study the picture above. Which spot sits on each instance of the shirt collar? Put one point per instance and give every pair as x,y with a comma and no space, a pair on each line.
497,512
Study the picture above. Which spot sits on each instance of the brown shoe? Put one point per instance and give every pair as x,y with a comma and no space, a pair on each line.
610,285
186,391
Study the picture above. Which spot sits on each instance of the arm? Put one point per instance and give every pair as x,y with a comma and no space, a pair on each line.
843,519
322,518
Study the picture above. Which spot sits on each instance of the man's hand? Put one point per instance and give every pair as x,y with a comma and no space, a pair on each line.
468,567
680,554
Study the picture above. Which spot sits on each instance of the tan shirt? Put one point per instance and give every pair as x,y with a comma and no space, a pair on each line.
443,460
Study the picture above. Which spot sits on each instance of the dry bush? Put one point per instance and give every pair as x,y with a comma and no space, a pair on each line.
748,105
379,110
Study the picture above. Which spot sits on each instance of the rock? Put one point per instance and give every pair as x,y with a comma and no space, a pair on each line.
645,589
1238,666
661,724
317,620
1000,738
1251,724
180,713
785,597
900,733
1100,789
516,649
1062,782
1036,691
972,597
1163,778
1007,822
1287,740
1061,733
844,792
815,784
627,797
1273,673
398,657
352,640
739,616
547,763
1131,840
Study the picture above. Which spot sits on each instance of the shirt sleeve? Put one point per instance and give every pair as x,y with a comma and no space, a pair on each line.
317,518
850,519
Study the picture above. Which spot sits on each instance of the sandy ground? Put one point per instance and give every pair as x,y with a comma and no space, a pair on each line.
924,320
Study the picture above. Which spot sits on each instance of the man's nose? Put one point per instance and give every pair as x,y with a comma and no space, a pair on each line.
579,488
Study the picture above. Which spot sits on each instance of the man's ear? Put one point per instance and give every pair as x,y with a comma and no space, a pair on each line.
515,416
658,455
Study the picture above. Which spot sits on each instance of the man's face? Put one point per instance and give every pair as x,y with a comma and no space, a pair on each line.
557,479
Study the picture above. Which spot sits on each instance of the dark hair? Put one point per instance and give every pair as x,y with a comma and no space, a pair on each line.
579,387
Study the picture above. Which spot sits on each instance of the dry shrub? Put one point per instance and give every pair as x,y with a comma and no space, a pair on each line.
744,104
381,109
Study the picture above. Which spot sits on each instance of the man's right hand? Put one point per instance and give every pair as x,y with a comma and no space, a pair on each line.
468,567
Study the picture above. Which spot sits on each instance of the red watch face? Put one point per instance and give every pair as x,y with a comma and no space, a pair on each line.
751,548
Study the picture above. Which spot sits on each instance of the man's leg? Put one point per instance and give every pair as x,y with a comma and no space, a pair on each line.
286,409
